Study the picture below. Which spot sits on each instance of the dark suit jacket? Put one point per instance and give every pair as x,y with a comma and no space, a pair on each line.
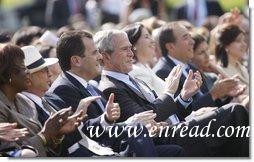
213,8
163,68
67,91
132,101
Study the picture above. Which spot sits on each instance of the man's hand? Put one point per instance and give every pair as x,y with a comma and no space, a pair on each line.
9,132
112,109
233,17
84,103
237,91
191,85
54,123
173,79
143,118
243,99
223,87
71,123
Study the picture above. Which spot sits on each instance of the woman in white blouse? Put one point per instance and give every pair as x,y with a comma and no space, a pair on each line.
144,54
230,50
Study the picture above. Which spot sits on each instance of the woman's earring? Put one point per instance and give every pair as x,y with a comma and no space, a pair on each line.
226,50
10,80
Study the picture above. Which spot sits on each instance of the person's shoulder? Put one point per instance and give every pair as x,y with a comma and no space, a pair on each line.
160,64
59,82
24,99
138,71
106,83
3,108
109,82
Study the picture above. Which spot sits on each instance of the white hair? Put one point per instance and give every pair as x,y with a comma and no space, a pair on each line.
104,40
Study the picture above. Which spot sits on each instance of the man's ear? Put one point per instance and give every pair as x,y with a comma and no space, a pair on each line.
75,61
106,57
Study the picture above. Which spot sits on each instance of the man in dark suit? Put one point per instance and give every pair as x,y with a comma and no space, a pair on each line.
80,62
196,11
134,97
38,84
177,49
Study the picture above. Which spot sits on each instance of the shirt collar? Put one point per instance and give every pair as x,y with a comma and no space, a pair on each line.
81,80
116,75
177,62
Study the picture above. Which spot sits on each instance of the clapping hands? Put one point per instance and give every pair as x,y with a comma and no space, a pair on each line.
173,79
191,85
144,118
10,132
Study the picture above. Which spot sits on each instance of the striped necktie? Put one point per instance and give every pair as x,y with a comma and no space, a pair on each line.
94,93
144,90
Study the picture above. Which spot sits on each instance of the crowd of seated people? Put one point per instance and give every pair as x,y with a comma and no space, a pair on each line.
153,75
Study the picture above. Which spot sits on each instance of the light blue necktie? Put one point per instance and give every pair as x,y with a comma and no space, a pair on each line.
94,93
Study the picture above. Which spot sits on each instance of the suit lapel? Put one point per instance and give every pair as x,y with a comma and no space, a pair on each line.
80,88
42,115
76,84
38,109
103,98
127,85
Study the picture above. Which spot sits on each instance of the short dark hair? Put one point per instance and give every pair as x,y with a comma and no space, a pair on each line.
25,35
166,35
71,44
5,36
9,54
227,35
198,39
134,32
64,29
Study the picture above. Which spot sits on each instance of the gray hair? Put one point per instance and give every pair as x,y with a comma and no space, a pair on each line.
104,40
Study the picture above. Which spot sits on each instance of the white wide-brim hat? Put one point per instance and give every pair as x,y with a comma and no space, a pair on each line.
34,61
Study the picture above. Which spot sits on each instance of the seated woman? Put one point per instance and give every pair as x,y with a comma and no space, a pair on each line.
144,53
229,51
225,87
13,108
